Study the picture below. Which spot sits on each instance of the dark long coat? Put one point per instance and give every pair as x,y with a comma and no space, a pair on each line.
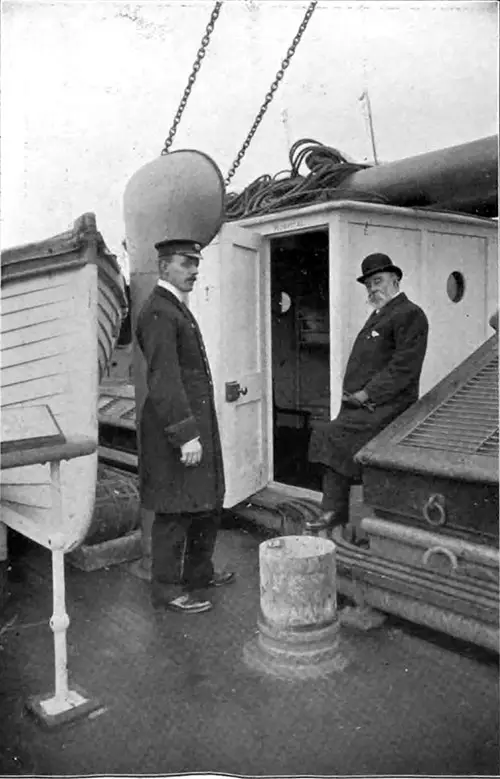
179,406
386,361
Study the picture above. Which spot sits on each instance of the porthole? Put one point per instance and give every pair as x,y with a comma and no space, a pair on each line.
455,286
285,302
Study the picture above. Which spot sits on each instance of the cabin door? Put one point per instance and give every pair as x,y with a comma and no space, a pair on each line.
232,292
300,334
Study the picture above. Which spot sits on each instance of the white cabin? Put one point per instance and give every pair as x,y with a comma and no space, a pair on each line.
279,307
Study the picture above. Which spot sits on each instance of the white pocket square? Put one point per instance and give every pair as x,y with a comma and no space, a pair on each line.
374,334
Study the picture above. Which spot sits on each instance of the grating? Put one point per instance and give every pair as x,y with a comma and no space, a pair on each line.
490,446
467,421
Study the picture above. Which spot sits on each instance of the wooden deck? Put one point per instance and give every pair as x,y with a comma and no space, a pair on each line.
176,695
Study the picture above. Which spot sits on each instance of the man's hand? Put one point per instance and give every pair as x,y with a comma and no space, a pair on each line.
361,396
191,452
358,400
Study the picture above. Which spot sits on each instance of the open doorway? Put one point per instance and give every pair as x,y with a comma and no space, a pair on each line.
300,352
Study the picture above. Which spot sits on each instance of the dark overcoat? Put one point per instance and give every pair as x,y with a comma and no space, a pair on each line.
386,361
179,406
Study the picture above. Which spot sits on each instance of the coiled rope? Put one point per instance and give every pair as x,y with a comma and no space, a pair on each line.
328,169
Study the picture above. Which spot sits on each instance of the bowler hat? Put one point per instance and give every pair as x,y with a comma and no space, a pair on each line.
378,263
167,248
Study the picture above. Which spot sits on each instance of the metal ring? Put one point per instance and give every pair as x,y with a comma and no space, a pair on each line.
435,502
440,550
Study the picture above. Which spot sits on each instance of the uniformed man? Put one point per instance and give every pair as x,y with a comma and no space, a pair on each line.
180,459
381,381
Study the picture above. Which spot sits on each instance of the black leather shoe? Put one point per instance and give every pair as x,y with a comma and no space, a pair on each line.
188,604
351,535
326,521
323,522
185,603
220,579
315,525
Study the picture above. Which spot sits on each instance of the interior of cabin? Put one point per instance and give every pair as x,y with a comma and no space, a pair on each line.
300,336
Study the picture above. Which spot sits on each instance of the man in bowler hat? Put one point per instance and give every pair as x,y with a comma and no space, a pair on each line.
180,459
381,381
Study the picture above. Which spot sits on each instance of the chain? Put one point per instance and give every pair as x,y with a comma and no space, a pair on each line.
274,86
192,78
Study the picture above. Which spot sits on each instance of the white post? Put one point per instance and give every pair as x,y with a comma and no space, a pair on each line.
65,704
59,623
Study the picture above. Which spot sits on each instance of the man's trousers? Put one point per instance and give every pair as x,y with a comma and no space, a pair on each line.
182,546
336,492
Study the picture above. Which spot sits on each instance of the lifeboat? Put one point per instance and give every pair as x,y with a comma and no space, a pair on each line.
63,300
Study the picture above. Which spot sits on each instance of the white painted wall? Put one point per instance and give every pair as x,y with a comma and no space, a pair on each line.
232,293
427,247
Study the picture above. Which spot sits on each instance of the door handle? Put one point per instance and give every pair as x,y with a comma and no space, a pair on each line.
234,391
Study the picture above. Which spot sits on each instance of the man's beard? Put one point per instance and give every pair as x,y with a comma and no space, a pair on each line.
372,301
378,300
